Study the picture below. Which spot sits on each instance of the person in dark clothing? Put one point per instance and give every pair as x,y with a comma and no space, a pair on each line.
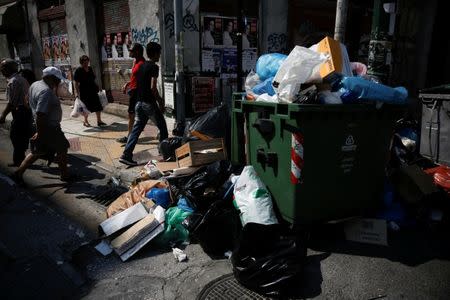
22,124
149,105
87,90
28,75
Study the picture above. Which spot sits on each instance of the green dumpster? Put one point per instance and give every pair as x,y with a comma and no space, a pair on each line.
320,162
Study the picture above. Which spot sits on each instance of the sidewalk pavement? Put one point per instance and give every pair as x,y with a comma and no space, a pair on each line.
98,146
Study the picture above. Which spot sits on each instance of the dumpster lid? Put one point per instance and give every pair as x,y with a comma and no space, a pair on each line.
440,89
441,92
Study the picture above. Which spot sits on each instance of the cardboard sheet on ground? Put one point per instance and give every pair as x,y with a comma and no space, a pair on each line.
125,218
133,196
137,236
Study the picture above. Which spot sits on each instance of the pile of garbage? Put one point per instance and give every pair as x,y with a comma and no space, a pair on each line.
321,74
198,196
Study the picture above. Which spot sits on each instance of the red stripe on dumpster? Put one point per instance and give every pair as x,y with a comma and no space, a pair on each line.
296,157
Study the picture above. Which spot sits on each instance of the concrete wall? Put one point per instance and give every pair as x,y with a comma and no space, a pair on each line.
191,36
145,21
273,26
82,33
35,36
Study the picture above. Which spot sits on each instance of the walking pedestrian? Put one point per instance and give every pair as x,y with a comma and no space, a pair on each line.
47,112
87,90
149,105
22,124
137,52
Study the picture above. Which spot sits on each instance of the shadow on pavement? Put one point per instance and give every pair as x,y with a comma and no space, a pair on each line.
115,127
411,247
310,281
148,140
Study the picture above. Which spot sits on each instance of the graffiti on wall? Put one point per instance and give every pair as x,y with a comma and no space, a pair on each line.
189,23
145,35
277,42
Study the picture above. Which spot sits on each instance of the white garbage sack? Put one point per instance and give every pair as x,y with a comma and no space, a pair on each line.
295,70
253,199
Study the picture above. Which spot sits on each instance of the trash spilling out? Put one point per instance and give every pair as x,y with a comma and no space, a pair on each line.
314,140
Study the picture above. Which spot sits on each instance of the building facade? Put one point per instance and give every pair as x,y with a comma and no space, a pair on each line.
58,32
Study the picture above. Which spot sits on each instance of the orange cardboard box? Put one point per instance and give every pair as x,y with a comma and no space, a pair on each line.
333,65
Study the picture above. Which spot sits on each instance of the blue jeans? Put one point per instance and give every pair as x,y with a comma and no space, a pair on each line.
145,111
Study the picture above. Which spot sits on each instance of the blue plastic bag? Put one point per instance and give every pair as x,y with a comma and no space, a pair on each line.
183,204
268,64
264,87
160,196
368,90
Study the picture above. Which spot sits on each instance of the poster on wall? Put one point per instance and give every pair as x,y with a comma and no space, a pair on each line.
212,60
229,34
229,60
249,58
56,56
219,45
116,46
250,36
212,32
203,90
47,50
64,49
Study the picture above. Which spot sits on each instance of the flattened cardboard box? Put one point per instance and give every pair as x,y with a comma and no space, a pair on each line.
369,231
133,239
125,218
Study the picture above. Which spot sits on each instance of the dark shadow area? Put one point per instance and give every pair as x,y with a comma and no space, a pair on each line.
115,127
85,158
148,140
409,246
36,277
309,283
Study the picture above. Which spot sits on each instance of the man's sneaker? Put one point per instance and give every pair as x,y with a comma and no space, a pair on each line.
122,140
128,161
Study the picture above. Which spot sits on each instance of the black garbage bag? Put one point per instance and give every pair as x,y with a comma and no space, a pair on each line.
265,262
217,231
168,147
200,189
213,123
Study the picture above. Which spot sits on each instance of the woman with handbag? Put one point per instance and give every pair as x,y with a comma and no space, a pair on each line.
87,90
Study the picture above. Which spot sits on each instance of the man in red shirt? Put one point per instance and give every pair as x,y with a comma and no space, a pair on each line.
137,52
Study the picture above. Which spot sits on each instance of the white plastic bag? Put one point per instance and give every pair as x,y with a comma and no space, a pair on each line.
250,82
103,98
295,70
253,199
79,109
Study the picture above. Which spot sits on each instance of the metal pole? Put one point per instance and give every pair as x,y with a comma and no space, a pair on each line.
241,30
341,20
179,63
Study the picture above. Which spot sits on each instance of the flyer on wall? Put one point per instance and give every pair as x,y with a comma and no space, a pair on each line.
46,51
56,55
212,32
203,90
212,60
64,49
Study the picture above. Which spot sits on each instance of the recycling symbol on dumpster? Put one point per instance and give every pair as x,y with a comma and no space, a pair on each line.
350,141
350,144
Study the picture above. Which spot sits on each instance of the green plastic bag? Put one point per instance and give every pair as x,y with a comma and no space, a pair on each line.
174,232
